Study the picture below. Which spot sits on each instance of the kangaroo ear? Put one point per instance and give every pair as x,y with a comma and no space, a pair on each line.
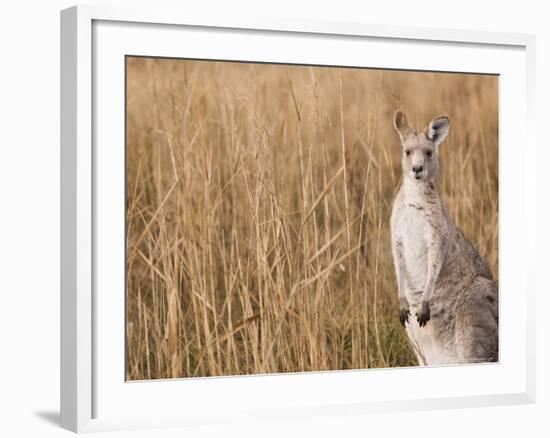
437,130
401,124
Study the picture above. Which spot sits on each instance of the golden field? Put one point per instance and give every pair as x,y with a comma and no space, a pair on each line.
258,206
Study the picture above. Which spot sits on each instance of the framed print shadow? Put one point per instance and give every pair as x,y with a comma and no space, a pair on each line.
252,209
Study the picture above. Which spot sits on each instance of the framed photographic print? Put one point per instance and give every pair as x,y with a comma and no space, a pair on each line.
258,209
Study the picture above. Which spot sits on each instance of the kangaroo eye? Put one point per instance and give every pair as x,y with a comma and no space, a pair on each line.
407,152
429,153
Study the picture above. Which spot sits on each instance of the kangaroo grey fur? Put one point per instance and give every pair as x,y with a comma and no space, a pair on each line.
442,279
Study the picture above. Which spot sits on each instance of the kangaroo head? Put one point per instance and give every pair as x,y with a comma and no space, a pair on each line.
420,149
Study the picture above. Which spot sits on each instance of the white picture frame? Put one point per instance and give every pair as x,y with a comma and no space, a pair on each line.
92,41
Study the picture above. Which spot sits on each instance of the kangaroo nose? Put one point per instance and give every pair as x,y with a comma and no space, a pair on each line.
418,169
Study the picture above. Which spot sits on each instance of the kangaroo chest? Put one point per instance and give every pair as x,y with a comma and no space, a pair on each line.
414,231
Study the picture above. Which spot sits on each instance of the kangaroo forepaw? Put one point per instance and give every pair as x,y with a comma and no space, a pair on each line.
404,316
404,311
423,316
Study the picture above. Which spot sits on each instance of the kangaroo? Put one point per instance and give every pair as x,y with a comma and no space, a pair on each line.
441,277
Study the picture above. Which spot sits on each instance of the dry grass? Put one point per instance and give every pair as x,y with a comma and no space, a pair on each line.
258,204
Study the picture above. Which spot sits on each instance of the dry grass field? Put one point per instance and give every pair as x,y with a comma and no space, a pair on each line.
258,206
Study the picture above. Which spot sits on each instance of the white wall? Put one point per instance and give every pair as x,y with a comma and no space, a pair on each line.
29,218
